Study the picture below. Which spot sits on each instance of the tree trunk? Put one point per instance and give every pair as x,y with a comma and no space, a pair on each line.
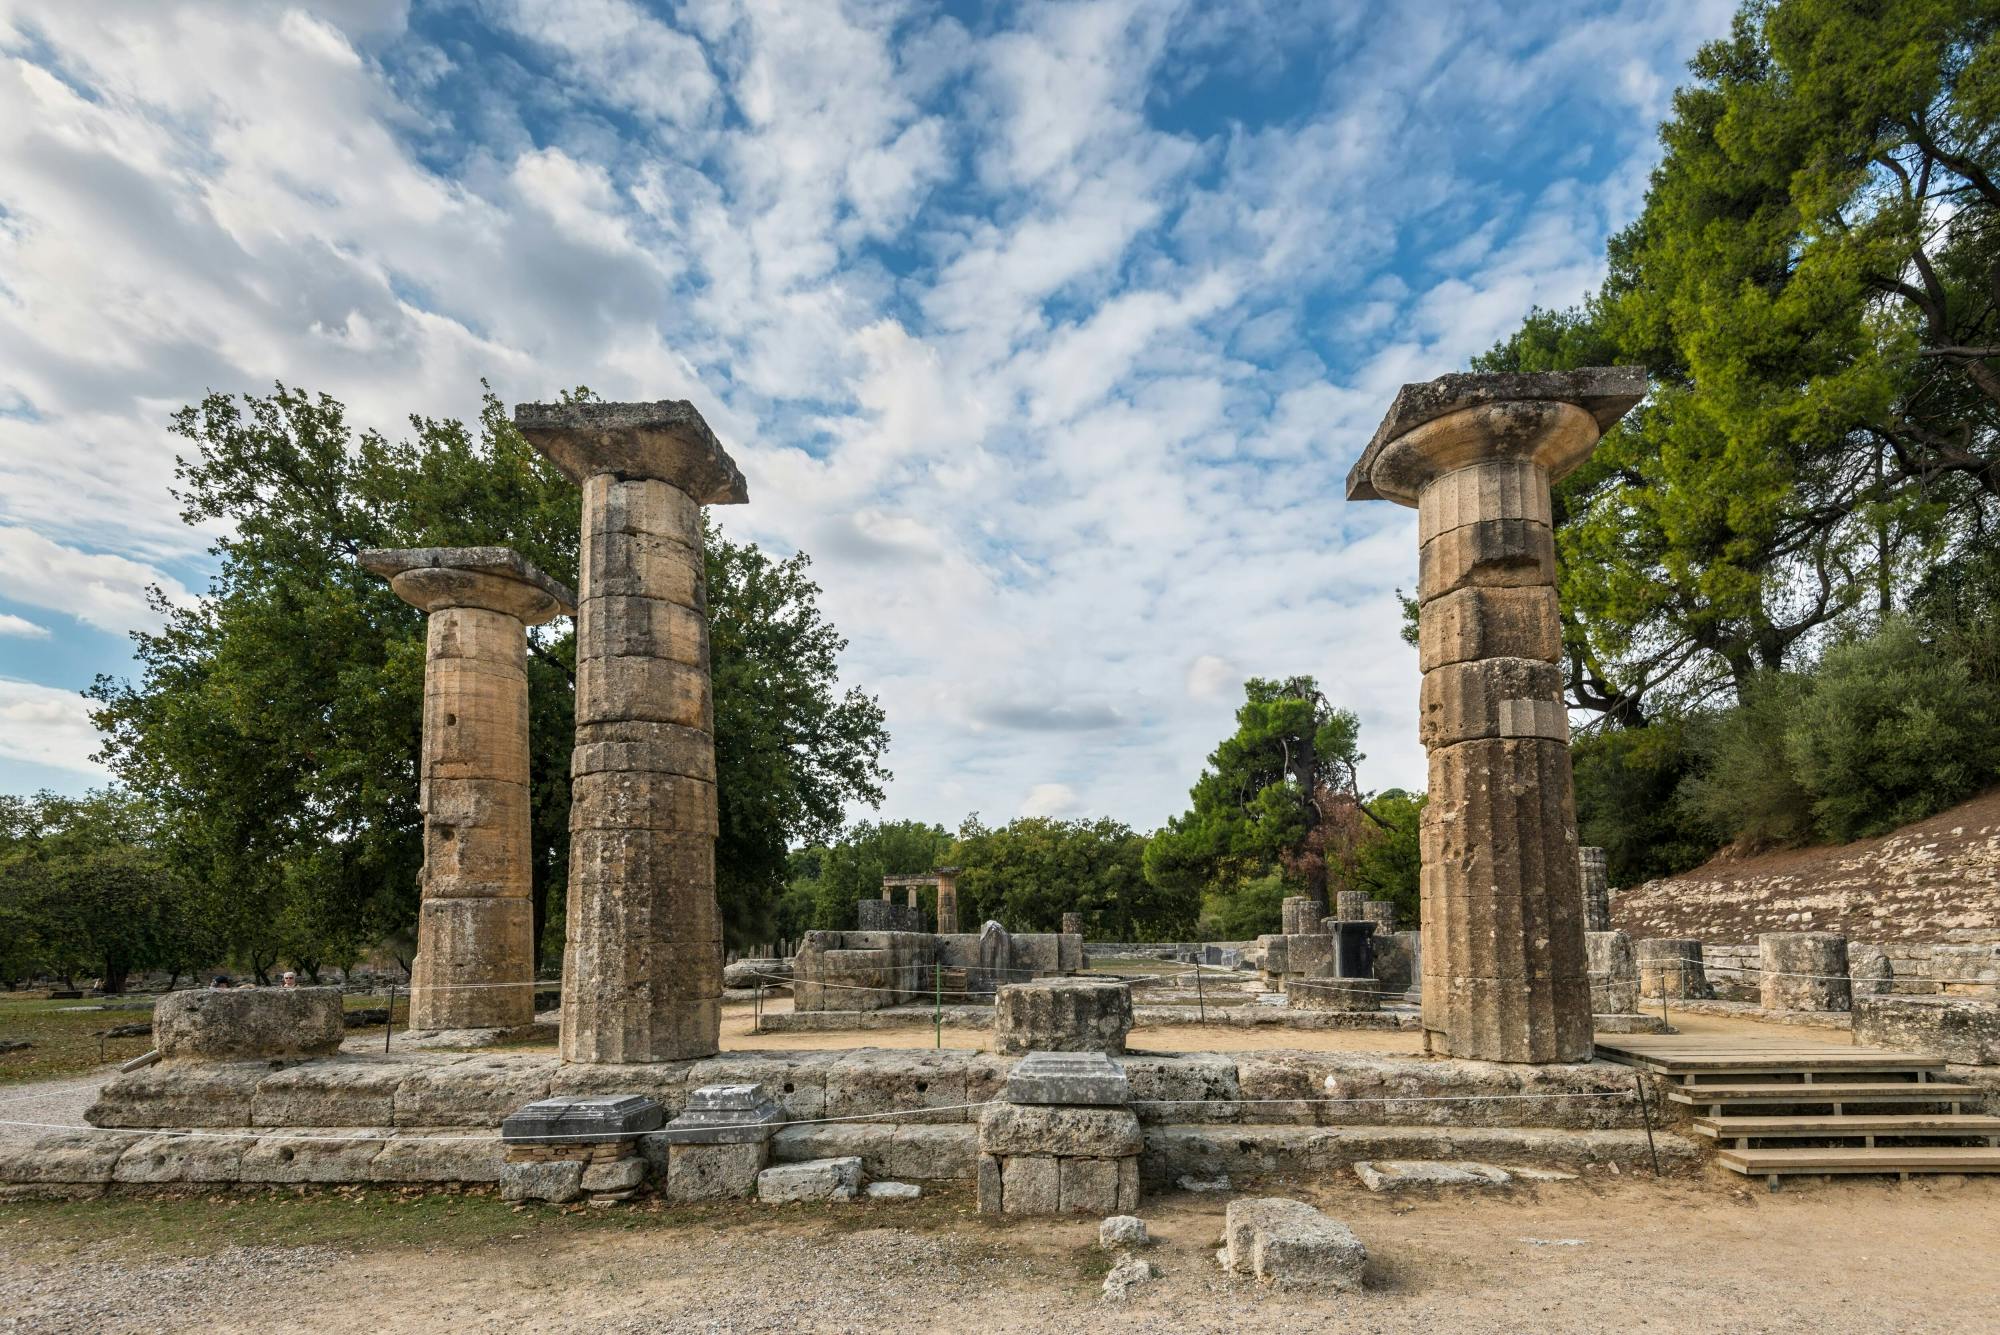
114,978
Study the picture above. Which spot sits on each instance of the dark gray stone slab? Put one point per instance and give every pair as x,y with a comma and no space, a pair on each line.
725,1115
666,439
1087,1079
1607,393
389,562
592,1117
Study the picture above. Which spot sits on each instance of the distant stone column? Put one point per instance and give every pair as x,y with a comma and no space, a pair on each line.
1504,975
642,971
475,964
1350,905
1596,871
947,900
1072,924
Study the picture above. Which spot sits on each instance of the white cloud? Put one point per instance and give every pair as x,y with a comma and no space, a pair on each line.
44,726
22,628
1055,374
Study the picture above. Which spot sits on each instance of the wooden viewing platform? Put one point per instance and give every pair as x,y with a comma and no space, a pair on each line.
1857,1109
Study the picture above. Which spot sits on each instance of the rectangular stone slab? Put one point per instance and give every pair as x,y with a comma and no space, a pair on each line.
1081,1078
590,1117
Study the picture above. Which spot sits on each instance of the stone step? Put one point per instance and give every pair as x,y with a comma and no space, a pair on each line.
1859,1091
1798,1128
1880,1159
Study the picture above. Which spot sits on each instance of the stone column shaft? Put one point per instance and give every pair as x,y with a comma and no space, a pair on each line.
1596,889
475,963
1504,974
642,972
947,901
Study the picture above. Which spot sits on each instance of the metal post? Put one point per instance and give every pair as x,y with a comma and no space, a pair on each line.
1201,1002
389,1020
937,1004
1646,1112
757,1006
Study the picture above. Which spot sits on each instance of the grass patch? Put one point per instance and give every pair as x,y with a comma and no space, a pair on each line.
382,1218
65,1038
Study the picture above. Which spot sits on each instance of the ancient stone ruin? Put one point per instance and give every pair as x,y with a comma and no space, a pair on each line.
642,968
475,966
1504,968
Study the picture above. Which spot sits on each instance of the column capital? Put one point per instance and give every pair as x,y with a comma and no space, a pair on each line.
1552,419
498,579
666,440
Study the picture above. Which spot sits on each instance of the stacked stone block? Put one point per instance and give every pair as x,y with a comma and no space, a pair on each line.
1300,915
642,974
1504,959
1595,867
1062,1015
1061,1140
475,963
1671,967
1614,973
1803,971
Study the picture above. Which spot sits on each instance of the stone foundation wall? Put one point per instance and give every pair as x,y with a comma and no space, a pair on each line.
1969,969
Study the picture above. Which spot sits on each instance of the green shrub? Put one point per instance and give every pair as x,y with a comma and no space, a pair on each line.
1743,786
1629,801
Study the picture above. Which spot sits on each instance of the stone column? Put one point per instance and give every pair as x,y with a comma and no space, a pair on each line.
475,964
642,972
947,901
1350,905
1596,871
1072,924
1504,976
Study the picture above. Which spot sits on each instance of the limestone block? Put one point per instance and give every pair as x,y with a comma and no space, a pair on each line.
1310,955
1030,1184
1122,1230
245,1023
477,1091
1381,912
557,1181
301,1155
1036,954
1276,953
1962,1030
637,800
62,1157
1803,971
1081,1079
633,687
814,1180
1291,1245
715,1172
1128,1274
1497,490
637,744
1395,965
1062,1015
1039,1129
1672,967
1481,623
1090,1186
880,1080
615,1175
892,1191
1491,697
642,505
1300,915
1336,994
1494,553
1595,869
428,1157
622,625
1869,971
1614,973
335,1091
180,1094
616,566
158,1160
991,1197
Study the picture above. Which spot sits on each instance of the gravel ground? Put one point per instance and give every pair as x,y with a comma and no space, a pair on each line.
62,1102
238,1288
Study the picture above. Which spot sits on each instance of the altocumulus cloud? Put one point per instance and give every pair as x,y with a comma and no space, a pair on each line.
1050,334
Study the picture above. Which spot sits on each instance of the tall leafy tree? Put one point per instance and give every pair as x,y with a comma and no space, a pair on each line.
275,721
1266,797
1028,873
1814,284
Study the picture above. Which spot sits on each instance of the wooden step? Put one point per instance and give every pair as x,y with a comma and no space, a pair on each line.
1689,1054
1890,1124
1880,1159
1929,1091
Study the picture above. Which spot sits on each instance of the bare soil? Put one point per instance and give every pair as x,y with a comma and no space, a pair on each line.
1854,1256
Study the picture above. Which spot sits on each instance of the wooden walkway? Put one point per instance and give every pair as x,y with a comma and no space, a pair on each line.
1831,1107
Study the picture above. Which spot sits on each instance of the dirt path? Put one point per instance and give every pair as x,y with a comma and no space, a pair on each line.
1853,1257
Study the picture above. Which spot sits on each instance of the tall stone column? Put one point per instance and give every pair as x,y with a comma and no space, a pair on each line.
642,972
1595,869
947,901
475,965
1504,971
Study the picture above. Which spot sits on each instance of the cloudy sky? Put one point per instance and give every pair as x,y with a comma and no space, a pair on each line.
1049,330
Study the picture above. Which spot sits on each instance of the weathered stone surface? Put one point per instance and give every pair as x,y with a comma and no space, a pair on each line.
759,974
158,1160
1122,1230
1291,1245
1869,970
1127,1275
478,1091
62,1157
1492,697
1077,1078
1090,1186
667,439
1595,867
1672,968
813,1180
556,1181
181,1094
338,1154
877,1080
1480,623
892,1191
887,1149
1029,1184
1803,971
616,1175
248,1023
1400,1174
586,1119
429,1157
1028,1129
1490,553
1300,915
724,1115
714,1172
1962,1030
333,1092
1504,968
1062,1015
1614,973
1395,962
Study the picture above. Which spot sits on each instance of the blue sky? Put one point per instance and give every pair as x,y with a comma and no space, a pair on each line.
1049,330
